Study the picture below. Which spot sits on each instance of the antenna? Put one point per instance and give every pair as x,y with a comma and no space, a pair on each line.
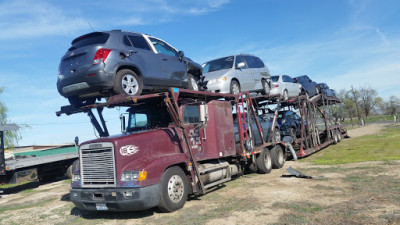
90,26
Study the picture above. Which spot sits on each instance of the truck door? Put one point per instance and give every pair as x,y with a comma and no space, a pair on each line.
196,134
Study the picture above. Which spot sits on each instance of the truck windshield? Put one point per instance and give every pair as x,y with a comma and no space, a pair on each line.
218,64
147,118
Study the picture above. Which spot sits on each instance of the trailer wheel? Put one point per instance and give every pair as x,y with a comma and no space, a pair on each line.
277,135
263,161
277,157
174,190
72,168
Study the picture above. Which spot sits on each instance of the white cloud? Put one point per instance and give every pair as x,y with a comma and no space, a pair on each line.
26,19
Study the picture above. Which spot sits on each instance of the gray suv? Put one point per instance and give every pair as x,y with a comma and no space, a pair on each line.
101,64
237,73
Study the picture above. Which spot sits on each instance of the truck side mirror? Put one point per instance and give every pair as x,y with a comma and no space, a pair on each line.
123,122
76,141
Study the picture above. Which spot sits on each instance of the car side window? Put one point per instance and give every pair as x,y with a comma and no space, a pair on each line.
139,42
259,62
127,42
163,47
285,79
240,59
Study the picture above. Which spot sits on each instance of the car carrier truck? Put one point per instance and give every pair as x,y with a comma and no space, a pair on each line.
173,144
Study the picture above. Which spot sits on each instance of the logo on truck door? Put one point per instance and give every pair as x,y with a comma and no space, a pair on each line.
128,150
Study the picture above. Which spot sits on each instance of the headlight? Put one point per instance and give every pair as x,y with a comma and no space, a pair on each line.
134,175
76,177
214,81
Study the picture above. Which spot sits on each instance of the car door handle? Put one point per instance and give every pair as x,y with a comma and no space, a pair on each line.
164,59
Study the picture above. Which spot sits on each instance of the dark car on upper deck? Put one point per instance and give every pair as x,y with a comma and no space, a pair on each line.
101,64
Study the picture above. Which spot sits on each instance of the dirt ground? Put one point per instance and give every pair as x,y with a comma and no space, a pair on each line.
359,193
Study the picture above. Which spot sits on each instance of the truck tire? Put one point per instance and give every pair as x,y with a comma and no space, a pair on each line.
277,157
235,87
128,83
173,190
192,83
263,161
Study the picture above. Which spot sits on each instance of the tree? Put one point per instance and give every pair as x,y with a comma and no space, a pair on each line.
393,107
349,107
369,99
10,137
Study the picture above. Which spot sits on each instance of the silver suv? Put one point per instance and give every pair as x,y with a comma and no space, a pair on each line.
101,64
234,74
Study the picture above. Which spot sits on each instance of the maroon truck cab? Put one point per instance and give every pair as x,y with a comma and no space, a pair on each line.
125,172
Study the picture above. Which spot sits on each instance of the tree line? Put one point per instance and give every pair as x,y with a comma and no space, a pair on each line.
364,101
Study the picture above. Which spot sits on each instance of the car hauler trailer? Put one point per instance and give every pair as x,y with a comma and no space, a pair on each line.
319,128
173,144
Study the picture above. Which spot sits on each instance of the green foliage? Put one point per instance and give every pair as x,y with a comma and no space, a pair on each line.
10,137
380,147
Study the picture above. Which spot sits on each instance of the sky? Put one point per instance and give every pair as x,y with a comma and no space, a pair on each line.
343,43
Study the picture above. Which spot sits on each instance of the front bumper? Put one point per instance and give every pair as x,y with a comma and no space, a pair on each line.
220,87
113,199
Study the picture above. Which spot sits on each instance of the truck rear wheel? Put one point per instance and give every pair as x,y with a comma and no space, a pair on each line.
174,190
277,157
263,161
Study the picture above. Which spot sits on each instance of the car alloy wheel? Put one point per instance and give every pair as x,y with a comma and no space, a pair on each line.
129,84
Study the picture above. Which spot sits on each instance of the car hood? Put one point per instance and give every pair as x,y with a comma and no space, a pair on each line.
215,74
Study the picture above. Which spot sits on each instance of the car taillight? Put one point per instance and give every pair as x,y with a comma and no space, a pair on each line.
276,85
101,55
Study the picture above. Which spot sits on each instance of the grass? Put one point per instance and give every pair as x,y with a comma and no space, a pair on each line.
371,119
384,146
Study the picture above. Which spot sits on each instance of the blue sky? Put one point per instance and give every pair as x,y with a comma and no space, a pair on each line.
341,42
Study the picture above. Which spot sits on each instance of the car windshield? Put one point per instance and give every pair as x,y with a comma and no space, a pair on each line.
218,64
275,78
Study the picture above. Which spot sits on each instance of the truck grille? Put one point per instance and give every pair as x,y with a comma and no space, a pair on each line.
97,165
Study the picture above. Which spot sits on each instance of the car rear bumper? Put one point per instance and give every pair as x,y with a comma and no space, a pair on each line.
116,199
85,82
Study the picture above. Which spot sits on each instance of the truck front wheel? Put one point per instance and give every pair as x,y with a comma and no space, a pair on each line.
263,161
174,190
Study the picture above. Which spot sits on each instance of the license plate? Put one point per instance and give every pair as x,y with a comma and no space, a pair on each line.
101,206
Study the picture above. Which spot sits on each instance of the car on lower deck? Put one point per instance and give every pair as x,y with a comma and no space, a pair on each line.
290,123
237,73
101,64
285,86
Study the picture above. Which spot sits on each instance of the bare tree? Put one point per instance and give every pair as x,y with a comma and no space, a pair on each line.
369,99
393,107
349,108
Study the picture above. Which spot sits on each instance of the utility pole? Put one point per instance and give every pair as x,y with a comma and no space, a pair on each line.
355,101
